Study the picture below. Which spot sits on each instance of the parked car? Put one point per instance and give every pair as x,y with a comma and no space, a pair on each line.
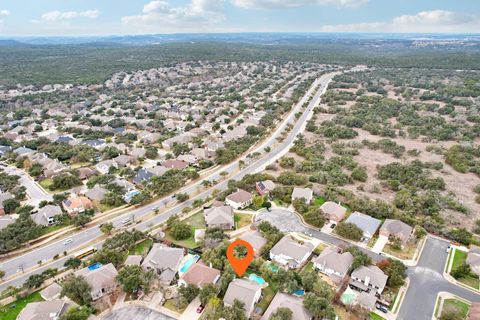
333,225
127,220
200,308
382,308
67,241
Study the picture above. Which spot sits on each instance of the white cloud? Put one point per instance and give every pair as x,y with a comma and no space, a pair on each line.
159,16
433,21
283,4
4,13
67,15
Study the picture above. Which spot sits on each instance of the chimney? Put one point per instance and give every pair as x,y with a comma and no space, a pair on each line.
367,280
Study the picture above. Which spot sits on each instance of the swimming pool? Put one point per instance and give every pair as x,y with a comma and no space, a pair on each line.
299,293
94,266
191,259
257,279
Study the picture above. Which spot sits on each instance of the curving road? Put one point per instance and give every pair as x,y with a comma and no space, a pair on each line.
18,269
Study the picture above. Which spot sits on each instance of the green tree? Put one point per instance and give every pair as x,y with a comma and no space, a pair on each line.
35,281
181,230
207,292
2,274
77,289
81,220
73,263
349,230
10,205
258,201
182,197
189,292
359,258
78,313
396,271
107,228
320,308
106,256
134,278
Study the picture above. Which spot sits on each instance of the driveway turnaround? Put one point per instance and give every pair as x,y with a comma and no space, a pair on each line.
135,312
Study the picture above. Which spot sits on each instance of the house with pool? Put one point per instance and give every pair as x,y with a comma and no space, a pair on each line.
199,274
291,253
165,261
102,279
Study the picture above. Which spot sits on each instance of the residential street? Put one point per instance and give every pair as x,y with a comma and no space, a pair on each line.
34,192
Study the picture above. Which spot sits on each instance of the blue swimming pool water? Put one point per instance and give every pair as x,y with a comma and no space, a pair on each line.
299,292
256,278
188,263
95,266
273,267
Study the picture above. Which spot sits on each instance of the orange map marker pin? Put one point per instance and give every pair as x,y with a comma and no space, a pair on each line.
240,266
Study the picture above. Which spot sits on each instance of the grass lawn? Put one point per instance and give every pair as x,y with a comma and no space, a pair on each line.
320,248
267,296
171,305
280,203
46,183
406,253
242,220
319,201
455,304
197,220
459,259
9,312
187,243
142,247
105,207
374,316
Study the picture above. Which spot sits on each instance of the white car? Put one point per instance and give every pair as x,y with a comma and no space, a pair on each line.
126,220
68,241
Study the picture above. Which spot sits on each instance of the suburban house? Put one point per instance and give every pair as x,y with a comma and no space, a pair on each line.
367,224
199,274
104,166
175,164
143,175
96,194
473,259
370,279
46,215
396,228
333,211
165,261
51,292
219,217
302,193
334,264
283,300
43,310
123,160
246,291
256,240
290,253
264,187
102,280
74,205
239,199
85,173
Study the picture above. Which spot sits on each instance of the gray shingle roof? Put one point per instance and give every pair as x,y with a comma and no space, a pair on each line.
368,224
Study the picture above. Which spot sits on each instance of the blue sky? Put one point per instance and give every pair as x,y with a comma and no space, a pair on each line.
103,17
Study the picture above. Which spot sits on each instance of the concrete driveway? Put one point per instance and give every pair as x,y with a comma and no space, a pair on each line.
191,312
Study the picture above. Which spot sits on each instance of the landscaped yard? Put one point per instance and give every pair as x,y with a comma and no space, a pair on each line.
407,252
459,259
142,248
319,201
267,296
197,220
242,219
187,243
171,305
11,311
459,307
